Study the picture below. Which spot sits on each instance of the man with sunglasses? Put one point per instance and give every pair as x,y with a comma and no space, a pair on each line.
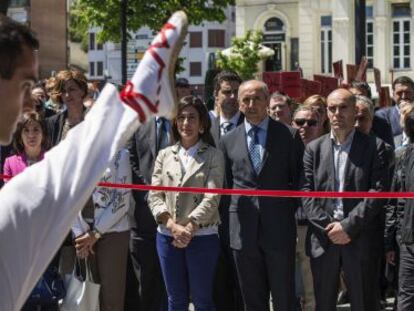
306,120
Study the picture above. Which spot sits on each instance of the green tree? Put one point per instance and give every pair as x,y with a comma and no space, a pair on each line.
106,14
244,55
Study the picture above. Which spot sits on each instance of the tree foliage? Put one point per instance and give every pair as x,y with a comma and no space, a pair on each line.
106,14
244,56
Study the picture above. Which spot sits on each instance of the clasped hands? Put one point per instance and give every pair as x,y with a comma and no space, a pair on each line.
182,234
84,244
337,234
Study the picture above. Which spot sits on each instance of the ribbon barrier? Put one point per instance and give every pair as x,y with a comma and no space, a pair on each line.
261,193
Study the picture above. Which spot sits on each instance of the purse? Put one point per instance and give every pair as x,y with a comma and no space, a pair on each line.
81,295
48,290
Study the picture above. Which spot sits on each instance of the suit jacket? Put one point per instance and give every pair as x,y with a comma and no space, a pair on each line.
143,152
206,170
263,221
392,116
215,127
365,170
382,129
407,221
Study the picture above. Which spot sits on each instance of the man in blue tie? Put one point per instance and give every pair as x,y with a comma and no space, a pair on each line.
226,86
262,154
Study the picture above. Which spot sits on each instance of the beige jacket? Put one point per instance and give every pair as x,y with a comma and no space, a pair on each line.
206,170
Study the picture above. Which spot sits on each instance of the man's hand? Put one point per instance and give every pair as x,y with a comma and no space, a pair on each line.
337,234
390,257
84,244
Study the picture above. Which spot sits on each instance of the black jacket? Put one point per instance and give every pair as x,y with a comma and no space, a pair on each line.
394,210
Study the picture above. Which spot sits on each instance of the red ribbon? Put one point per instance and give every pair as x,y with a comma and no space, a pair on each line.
262,193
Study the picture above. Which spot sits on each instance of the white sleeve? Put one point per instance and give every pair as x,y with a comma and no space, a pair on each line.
79,226
114,202
38,207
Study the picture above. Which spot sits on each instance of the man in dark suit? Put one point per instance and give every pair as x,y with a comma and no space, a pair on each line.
227,295
342,231
403,91
379,126
262,154
226,86
147,141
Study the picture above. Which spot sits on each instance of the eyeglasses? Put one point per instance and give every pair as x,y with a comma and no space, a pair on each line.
302,122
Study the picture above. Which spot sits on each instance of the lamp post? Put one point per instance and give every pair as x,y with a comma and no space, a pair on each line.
124,40
4,5
360,20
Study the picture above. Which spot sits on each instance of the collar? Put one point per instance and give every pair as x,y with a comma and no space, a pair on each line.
233,120
348,139
201,147
262,125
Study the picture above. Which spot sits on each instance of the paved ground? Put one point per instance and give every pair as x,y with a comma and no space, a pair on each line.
345,307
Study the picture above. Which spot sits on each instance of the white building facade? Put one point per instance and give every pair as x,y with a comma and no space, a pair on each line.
198,52
314,33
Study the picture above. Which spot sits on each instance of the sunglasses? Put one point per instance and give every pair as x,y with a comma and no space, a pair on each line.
302,122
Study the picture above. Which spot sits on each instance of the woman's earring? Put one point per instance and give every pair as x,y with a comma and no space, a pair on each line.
201,131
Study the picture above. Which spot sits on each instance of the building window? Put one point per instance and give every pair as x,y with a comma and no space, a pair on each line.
196,39
91,69
195,69
370,42
216,38
401,44
99,70
326,44
141,37
99,46
18,3
92,41
274,24
369,36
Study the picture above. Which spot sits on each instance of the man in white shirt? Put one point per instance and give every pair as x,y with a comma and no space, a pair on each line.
39,206
342,232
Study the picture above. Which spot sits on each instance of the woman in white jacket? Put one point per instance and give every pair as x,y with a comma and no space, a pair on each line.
102,234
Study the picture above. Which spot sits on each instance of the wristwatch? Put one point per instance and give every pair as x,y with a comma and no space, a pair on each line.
96,234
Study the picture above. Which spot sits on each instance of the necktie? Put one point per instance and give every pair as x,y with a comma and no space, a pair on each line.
254,149
226,127
162,134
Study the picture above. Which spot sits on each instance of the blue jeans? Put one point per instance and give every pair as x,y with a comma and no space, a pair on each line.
189,271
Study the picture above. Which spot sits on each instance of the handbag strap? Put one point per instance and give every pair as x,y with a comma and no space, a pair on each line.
88,272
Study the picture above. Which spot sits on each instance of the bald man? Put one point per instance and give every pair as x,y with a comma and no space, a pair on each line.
262,154
341,230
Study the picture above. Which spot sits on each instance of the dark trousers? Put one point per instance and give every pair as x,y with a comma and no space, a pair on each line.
406,279
262,272
189,271
360,272
227,295
153,296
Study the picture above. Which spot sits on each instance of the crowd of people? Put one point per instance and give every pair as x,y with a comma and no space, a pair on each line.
159,250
